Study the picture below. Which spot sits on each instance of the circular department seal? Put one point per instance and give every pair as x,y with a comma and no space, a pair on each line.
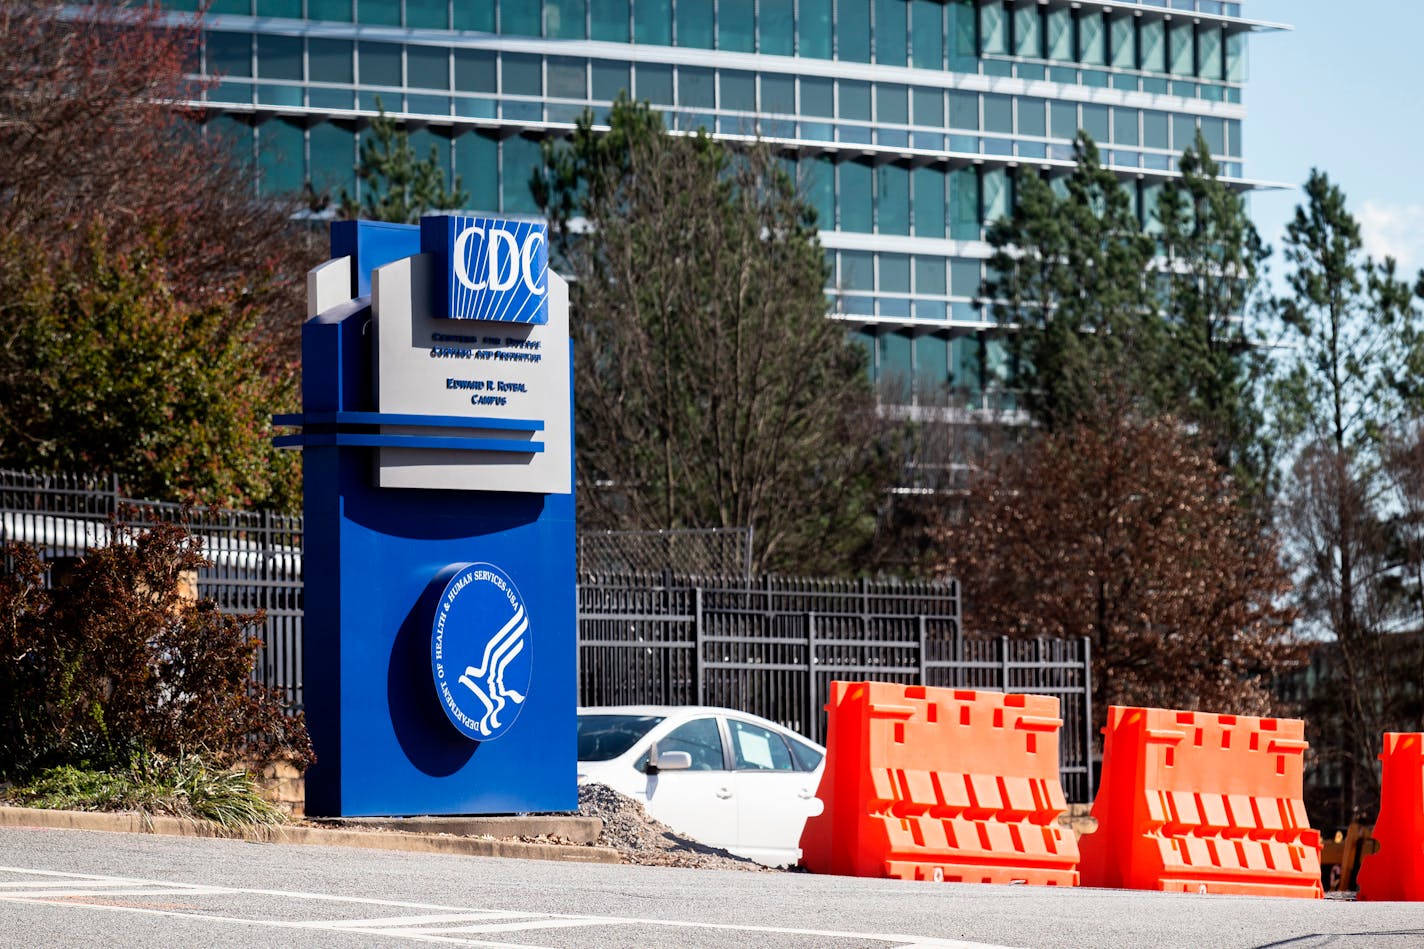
481,651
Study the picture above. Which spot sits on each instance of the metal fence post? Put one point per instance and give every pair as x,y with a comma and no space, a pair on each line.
1004,663
697,632
924,639
813,721
1088,714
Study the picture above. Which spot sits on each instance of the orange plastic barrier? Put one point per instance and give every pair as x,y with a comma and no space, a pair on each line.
1202,803
1396,872
937,784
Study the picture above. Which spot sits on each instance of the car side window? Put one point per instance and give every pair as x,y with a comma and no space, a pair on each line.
700,739
759,749
807,758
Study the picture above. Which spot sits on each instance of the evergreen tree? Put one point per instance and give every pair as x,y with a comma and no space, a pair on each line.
1212,260
710,388
1347,387
1071,272
396,186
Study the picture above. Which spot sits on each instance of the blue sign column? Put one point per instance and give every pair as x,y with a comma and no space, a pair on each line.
440,613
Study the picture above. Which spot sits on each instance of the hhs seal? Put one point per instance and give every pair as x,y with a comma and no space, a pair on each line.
480,651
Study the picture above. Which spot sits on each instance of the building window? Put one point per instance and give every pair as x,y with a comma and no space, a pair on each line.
1209,59
929,107
477,163
928,186
1123,40
652,22
568,78
427,67
521,156
1236,57
427,14
694,25
468,15
814,29
378,12
522,75
963,110
1059,34
609,79
856,193
564,19
337,11
927,34
993,30
230,54
853,31
891,34
1151,47
998,114
1028,32
280,57
854,100
654,83
736,25
519,18
380,64
1033,117
776,28
778,93
964,204
475,71
892,191
1092,49
738,91
1125,126
608,20
1180,51
819,184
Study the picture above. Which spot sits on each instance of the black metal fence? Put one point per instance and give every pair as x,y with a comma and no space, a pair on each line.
769,646
772,647
255,557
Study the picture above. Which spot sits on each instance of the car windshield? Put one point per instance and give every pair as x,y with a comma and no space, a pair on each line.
604,737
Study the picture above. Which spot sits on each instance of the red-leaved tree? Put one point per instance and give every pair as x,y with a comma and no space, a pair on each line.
102,156
1128,533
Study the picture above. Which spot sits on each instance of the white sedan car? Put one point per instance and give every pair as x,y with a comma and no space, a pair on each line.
721,777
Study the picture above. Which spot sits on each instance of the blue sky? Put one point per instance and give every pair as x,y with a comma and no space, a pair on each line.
1342,91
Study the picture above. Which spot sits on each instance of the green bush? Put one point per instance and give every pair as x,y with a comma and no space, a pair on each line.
191,786
114,664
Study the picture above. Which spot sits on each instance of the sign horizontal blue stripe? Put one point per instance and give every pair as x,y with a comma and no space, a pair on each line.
356,440
410,421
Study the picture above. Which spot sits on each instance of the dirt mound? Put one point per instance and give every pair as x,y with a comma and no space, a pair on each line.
628,829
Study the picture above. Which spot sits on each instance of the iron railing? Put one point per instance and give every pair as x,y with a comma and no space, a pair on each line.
770,646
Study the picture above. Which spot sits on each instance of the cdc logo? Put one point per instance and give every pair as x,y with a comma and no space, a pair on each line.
495,270
480,651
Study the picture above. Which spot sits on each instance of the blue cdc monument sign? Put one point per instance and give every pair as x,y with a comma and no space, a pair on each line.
440,615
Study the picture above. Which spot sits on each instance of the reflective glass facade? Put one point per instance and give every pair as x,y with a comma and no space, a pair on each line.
907,121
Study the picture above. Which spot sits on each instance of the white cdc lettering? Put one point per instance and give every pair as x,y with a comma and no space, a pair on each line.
499,280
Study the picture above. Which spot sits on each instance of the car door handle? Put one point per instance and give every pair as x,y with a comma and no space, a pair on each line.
724,793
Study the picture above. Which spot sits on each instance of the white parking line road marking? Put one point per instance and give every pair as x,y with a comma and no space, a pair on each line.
443,924
466,917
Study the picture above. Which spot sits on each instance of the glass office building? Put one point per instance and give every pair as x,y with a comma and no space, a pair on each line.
907,120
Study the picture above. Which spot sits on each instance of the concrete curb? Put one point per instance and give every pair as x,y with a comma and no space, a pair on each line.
135,823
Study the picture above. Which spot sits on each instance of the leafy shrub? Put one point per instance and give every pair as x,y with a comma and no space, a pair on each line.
191,786
114,664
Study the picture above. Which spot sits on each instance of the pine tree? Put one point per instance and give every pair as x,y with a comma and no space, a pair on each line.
396,186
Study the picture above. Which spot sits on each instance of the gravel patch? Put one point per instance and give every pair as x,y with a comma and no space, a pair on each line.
641,840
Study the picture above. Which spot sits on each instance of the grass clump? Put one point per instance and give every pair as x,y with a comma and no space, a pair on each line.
189,786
